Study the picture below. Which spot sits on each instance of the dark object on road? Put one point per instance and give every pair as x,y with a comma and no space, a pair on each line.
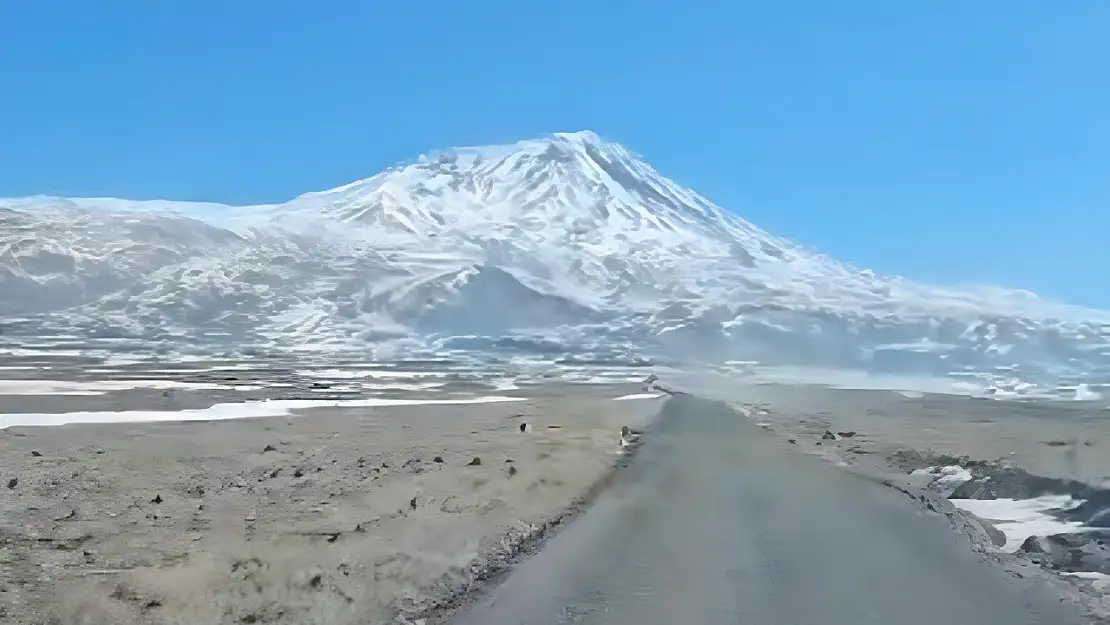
269,448
792,441
475,462
512,470
523,427
157,499
412,503
36,454
438,460
848,434
828,436
12,483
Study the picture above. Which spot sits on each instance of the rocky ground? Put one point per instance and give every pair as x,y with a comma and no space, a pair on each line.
371,515
957,448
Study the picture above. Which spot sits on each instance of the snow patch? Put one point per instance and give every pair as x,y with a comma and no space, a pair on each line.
1020,519
245,410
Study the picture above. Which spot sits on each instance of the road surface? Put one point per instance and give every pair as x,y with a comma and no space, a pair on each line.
719,522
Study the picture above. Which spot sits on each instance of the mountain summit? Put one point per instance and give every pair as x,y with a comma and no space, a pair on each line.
566,246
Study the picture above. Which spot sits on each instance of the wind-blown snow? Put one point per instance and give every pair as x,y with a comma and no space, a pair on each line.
565,247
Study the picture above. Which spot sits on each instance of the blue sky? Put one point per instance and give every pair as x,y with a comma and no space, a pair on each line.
951,142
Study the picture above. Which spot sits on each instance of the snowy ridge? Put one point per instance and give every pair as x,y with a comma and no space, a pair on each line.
565,246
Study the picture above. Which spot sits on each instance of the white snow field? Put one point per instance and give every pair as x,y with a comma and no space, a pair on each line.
565,247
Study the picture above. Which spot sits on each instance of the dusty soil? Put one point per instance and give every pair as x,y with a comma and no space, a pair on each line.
1052,439
333,516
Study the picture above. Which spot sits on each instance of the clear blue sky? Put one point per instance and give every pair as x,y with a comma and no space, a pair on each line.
950,141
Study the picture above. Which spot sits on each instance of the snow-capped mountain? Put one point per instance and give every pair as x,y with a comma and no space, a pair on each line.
566,246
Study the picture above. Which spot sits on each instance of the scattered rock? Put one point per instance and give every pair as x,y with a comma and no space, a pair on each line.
792,441
412,503
70,515
438,460
1055,443
36,454
828,436
523,427
157,499
848,434
512,470
312,578
298,472
1085,552
269,448
475,462
12,483
275,473
1004,482
992,533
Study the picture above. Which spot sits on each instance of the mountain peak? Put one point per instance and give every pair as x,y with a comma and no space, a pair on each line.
582,136
557,188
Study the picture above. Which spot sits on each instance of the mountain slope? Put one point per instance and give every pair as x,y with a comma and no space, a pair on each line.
564,245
